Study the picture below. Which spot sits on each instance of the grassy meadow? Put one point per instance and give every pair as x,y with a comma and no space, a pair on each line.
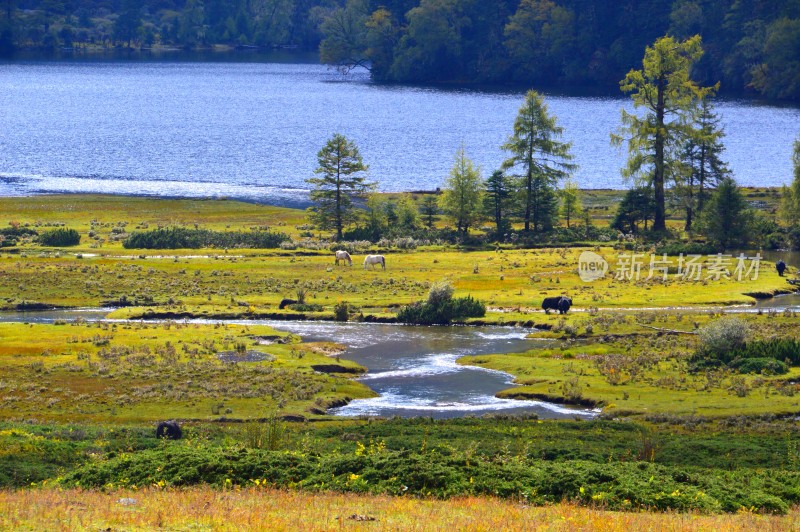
240,282
79,401
638,363
265,508
112,373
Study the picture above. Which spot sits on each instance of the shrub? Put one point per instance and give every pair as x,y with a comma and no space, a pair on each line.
722,336
687,248
615,485
765,366
440,293
341,311
441,308
306,307
17,232
60,237
184,238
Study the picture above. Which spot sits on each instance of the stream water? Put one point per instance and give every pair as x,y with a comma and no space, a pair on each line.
413,369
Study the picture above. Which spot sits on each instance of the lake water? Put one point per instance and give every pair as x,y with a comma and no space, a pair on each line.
251,130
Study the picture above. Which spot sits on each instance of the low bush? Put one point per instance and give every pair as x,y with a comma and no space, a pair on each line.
441,308
60,237
306,307
615,486
764,366
185,238
341,311
772,357
719,338
687,248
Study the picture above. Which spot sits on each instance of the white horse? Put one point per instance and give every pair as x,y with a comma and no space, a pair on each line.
374,259
343,255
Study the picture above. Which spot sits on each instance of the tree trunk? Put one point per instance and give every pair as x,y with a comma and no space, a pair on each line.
702,178
659,218
339,235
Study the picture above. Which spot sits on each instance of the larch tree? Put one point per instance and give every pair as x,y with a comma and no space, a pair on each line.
497,201
726,219
429,209
342,177
701,155
462,198
570,201
541,159
664,89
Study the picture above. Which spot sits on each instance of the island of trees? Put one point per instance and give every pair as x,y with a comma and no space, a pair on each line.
750,46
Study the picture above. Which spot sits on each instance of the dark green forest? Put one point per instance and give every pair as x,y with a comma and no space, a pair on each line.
751,46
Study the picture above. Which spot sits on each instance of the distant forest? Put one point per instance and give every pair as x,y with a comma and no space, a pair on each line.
751,46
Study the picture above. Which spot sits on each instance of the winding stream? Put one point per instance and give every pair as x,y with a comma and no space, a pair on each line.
413,369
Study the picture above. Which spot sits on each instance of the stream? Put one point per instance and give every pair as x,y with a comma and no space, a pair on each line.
413,369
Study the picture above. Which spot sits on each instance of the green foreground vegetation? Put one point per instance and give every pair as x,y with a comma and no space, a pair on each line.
680,427
691,464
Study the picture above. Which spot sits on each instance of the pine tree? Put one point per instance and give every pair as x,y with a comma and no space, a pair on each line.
701,155
497,202
726,217
342,179
543,159
429,209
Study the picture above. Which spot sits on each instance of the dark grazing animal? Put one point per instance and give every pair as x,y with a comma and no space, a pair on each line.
170,430
286,302
781,267
559,303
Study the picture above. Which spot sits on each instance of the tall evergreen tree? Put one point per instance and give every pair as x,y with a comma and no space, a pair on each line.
726,218
636,206
342,178
497,202
701,155
429,209
462,198
542,159
664,89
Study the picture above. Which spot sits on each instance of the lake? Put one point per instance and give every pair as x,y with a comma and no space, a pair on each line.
251,130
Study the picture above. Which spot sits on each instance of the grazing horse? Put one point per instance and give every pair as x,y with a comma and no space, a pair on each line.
374,259
343,255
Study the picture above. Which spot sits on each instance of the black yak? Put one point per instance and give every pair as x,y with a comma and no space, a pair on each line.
559,303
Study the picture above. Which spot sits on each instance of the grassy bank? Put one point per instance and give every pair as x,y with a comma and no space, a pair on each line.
639,363
118,373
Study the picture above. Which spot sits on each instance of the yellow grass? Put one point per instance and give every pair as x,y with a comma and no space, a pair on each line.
267,509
